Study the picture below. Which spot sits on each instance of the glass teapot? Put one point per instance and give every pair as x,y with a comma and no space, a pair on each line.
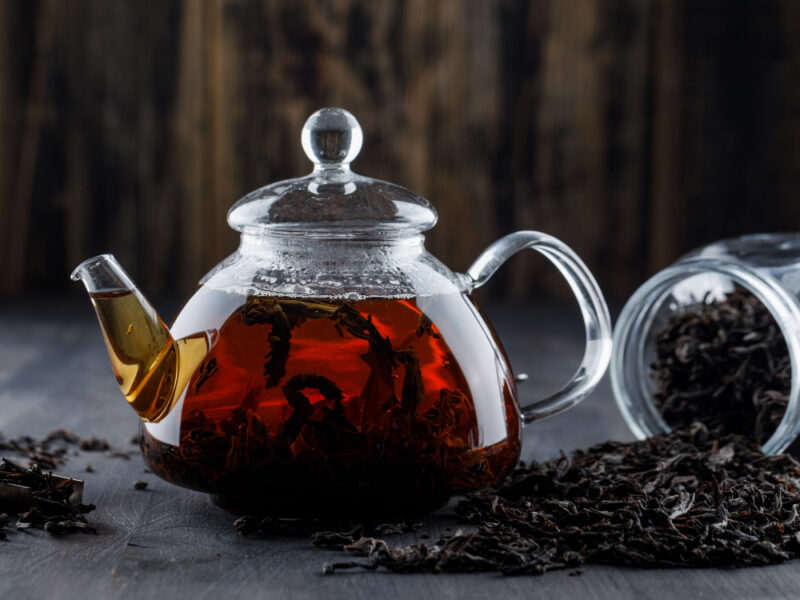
331,364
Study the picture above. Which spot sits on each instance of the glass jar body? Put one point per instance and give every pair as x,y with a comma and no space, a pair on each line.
766,265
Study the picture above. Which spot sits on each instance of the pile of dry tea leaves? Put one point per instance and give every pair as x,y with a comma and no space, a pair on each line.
724,363
41,499
34,497
689,498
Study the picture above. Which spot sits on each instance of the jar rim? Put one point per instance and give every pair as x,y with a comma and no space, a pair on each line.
629,371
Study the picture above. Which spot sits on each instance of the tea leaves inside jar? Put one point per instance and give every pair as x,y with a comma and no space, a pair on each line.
724,363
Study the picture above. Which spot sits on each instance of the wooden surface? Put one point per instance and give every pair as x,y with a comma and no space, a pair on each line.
634,130
168,543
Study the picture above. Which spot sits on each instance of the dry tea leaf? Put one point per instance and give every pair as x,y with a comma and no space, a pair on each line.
686,499
724,363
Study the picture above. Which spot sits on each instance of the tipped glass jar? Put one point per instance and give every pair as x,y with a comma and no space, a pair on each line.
753,279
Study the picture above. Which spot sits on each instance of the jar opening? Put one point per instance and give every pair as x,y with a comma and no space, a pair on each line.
655,307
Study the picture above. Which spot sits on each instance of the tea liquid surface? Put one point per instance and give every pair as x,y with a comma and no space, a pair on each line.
385,400
149,365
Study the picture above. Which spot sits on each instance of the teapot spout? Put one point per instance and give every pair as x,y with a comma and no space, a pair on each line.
144,355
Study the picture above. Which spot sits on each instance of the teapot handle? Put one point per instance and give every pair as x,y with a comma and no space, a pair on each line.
593,308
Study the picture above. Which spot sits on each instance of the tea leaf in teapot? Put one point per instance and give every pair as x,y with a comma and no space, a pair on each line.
206,370
301,404
300,310
413,386
266,311
362,327
425,326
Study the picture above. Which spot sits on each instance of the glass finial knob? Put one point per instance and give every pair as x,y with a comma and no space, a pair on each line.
331,137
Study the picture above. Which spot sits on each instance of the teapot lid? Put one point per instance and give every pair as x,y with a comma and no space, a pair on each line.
333,201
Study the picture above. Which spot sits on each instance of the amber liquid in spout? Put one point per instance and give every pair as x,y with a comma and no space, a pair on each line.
151,368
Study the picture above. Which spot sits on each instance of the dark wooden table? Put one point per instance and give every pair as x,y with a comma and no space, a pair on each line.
167,542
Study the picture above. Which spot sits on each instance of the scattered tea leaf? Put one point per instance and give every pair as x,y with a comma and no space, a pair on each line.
94,444
685,499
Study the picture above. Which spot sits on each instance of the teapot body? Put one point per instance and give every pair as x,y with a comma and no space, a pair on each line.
333,385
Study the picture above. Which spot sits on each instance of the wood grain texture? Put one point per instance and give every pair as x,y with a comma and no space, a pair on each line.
166,542
632,129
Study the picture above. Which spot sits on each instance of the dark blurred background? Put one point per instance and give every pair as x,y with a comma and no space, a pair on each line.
634,130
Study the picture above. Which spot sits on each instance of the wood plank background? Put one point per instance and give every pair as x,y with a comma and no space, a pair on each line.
632,129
